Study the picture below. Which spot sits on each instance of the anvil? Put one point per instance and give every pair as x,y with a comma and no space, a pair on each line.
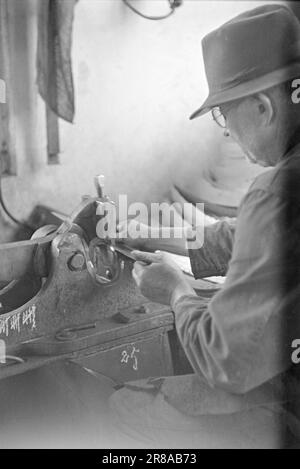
70,294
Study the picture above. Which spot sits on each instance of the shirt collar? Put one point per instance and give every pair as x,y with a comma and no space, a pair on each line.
295,150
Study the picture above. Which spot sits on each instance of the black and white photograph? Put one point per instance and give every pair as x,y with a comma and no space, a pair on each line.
149,227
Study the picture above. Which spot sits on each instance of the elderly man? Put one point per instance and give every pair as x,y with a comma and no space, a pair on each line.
239,344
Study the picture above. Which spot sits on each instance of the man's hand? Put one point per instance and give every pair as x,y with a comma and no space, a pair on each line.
159,278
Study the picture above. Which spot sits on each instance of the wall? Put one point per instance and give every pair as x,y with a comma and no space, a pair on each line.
136,83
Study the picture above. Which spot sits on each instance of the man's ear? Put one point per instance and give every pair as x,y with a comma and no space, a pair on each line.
265,109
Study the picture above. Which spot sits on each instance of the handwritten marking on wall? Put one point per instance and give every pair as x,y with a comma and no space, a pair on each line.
18,321
130,356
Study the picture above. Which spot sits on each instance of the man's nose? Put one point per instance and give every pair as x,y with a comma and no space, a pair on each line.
226,133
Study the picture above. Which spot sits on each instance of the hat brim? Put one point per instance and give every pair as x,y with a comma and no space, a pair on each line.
248,88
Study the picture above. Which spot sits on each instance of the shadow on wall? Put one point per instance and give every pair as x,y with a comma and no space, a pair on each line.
219,173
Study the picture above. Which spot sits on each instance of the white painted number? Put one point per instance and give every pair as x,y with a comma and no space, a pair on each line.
131,355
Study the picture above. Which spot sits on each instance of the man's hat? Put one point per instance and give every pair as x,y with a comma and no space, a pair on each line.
253,52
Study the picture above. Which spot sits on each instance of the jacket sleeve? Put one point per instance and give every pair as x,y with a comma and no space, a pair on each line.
214,256
236,341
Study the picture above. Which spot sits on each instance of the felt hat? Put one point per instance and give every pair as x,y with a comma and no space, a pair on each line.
250,53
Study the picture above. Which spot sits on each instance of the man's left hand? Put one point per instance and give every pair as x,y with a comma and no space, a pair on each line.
159,278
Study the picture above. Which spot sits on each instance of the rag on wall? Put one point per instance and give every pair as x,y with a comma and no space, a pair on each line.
54,64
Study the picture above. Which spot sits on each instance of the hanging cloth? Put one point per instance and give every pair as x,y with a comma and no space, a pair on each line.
54,66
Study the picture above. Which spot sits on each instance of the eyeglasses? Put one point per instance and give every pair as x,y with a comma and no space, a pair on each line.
218,117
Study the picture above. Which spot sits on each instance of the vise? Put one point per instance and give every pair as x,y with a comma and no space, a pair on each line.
69,294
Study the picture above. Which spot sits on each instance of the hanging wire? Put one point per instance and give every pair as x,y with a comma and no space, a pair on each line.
172,3
5,209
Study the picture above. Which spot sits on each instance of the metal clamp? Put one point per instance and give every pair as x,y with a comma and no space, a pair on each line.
102,255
